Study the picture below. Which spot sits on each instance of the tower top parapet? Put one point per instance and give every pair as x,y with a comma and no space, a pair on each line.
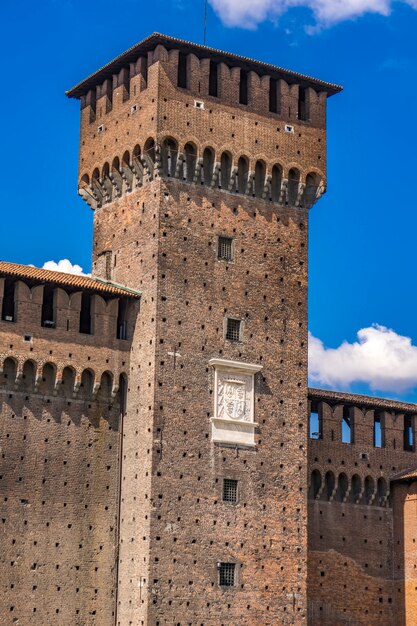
147,45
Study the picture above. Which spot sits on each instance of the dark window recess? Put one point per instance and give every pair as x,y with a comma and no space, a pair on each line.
85,314
302,107
213,89
182,70
225,249
123,394
243,87
227,574
233,329
48,310
347,426
8,306
408,433
378,432
229,490
315,424
121,319
273,101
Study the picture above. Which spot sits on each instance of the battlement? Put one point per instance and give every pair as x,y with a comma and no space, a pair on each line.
203,71
43,305
172,109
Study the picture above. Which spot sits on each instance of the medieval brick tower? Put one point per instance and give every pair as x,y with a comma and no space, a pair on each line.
201,167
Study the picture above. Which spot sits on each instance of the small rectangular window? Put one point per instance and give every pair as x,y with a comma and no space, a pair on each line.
121,319
85,313
347,425
233,329
225,248
273,100
227,574
408,433
48,307
182,70
8,306
378,432
315,425
229,490
302,105
213,79
243,87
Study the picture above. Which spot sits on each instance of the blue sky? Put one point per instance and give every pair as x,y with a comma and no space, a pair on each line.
362,233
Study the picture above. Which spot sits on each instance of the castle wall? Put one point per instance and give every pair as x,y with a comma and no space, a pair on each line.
60,417
355,573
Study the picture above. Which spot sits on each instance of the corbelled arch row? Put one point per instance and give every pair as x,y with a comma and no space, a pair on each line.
286,184
330,486
48,378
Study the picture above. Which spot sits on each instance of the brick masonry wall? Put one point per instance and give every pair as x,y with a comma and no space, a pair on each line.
174,527
360,546
59,465
58,513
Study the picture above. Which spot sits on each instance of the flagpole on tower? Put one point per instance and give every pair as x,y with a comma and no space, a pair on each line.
205,21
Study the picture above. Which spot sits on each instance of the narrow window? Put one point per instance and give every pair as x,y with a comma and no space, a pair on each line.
213,89
229,490
190,162
243,87
293,186
225,170
182,70
48,309
85,314
227,574
276,182
408,433
302,109
233,329
329,480
347,425
273,101
121,319
225,248
242,174
315,485
208,165
377,431
259,179
315,423
8,306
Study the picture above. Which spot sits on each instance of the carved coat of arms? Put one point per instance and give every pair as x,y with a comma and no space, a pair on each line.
233,398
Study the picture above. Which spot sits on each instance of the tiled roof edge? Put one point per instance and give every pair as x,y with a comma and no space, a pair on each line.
61,278
82,87
370,401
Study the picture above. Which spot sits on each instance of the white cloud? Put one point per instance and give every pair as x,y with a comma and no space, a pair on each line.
379,358
64,265
250,13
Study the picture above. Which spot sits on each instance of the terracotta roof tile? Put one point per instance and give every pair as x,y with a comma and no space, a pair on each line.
361,400
65,280
410,474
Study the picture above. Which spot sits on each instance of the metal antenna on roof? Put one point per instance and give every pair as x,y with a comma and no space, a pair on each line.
205,22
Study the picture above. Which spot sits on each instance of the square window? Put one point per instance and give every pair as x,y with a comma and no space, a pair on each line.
227,574
229,490
233,329
225,248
